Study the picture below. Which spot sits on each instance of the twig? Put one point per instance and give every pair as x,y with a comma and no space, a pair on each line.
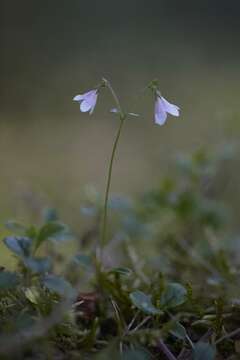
163,347
227,336
140,325
132,321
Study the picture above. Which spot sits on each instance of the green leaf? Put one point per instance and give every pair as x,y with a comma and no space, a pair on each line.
50,214
58,285
48,231
32,295
135,355
143,302
83,260
38,265
23,321
177,330
109,352
89,210
119,203
204,351
31,232
15,226
8,280
121,271
173,295
19,245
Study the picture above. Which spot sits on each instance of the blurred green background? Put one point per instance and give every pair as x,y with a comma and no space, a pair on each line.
53,50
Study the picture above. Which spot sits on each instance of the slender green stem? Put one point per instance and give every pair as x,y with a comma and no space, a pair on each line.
109,176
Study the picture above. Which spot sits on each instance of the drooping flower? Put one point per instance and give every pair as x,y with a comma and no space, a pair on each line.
162,108
87,100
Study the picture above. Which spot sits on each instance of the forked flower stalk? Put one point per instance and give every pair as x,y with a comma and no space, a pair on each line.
122,117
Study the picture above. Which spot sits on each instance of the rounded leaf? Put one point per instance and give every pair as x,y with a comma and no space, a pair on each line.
8,280
173,295
144,303
19,245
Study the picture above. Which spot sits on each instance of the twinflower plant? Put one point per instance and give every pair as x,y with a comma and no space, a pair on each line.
88,102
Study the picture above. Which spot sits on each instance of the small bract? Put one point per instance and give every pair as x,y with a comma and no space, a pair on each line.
162,108
116,111
87,101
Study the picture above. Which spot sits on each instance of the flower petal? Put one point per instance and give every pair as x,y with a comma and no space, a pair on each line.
78,97
90,93
89,101
169,108
160,114
160,118
85,106
93,107
91,96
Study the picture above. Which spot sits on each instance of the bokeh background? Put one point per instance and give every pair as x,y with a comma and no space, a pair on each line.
53,50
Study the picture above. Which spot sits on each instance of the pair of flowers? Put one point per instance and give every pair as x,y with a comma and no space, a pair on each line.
162,107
